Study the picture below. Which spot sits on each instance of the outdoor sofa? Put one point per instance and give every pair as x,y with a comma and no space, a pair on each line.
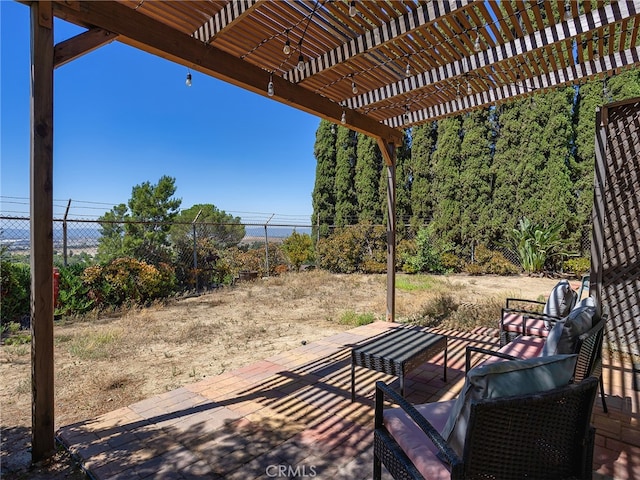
524,412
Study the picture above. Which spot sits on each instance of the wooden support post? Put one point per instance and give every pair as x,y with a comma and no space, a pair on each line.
41,186
388,150
598,212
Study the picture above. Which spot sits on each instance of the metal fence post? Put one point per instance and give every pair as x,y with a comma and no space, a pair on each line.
195,253
266,244
64,233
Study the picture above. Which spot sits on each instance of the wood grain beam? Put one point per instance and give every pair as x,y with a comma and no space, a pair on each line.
81,44
154,37
41,223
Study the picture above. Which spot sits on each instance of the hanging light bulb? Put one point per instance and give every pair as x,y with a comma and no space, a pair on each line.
187,82
567,10
354,87
519,80
287,45
353,11
343,119
270,89
469,89
476,44
406,117
407,71
458,92
301,63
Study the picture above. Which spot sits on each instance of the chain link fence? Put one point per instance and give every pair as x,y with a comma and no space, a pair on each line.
186,246
189,247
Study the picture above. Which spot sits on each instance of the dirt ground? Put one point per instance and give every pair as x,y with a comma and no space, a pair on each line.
106,362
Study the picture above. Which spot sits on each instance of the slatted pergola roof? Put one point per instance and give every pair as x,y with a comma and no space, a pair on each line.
374,66
378,65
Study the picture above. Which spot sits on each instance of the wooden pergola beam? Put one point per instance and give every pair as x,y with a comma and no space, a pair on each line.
154,37
225,18
41,207
377,37
81,44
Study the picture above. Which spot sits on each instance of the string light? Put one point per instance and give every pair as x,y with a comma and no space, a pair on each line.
458,91
567,10
187,82
270,89
406,116
469,89
407,71
476,44
343,119
287,45
353,11
301,62
354,87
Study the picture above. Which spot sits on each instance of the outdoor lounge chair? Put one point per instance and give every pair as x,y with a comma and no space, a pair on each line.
518,318
586,344
544,435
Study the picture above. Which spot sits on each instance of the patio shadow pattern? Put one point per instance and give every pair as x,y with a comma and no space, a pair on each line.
288,416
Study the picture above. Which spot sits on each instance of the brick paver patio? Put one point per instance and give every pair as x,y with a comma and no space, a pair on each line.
288,416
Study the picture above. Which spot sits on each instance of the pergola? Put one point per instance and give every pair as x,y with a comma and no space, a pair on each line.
377,67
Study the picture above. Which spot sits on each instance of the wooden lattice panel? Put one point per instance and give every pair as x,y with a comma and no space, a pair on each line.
617,222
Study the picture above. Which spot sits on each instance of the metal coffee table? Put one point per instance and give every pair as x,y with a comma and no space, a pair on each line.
397,353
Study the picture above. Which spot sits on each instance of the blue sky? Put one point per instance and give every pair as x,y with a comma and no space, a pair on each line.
123,117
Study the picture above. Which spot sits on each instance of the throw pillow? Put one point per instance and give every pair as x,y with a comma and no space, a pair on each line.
560,302
505,379
563,337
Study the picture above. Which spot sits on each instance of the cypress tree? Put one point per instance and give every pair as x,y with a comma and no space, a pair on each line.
555,189
323,196
531,161
475,178
446,182
423,141
346,201
403,183
367,180
582,167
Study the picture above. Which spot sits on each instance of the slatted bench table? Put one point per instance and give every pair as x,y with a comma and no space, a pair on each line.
397,353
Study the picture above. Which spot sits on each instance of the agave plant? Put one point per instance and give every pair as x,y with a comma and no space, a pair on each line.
535,244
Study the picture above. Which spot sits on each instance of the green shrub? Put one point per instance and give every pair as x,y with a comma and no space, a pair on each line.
15,288
535,244
299,249
451,262
427,256
492,262
578,266
360,248
73,298
127,281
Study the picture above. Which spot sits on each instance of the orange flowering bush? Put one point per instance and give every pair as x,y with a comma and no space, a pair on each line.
127,281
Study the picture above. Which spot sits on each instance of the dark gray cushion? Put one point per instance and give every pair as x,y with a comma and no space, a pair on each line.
505,379
563,337
561,300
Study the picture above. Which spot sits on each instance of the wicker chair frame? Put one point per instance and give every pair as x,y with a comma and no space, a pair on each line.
588,348
546,436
